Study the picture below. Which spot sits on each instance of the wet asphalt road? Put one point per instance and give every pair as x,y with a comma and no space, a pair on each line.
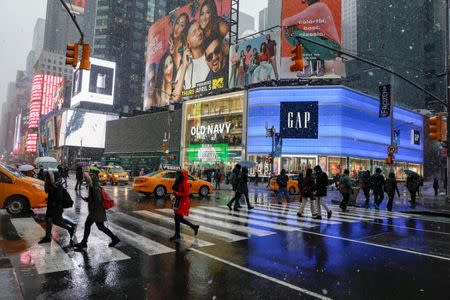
266,254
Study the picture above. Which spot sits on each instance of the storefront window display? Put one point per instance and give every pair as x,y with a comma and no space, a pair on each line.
296,164
213,132
336,165
358,165
262,165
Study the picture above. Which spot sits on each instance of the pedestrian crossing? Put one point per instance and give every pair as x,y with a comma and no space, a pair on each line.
148,231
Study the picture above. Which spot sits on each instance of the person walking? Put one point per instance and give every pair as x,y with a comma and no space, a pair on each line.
436,187
256,177
97,213
308,194
300,184
242,189
377,183
218,178
234,179
282,181
412,184
390,186
345,187
321,191
54,214
181,192
79,177
365,187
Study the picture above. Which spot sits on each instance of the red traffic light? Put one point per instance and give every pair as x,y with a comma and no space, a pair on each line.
297,58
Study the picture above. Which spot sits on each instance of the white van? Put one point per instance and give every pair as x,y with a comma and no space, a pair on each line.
47,163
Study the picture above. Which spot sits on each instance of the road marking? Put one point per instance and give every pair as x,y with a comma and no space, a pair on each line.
140,242
367,212
165,232
48,257
239,228
221,235
264,276
249,221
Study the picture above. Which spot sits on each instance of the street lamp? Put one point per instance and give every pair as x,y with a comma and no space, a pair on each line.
270,132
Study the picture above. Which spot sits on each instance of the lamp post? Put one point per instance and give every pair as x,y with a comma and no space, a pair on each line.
270,132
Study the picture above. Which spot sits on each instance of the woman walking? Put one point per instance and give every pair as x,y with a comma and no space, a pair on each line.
97,213
181,192
54,211
307,193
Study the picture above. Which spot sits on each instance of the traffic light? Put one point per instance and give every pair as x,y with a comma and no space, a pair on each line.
388,160
164,147
85,64
297,58
72,55
435,128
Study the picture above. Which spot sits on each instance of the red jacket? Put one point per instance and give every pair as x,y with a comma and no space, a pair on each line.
183,193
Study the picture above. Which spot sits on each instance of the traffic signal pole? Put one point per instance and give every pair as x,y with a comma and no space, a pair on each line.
447,93
72,16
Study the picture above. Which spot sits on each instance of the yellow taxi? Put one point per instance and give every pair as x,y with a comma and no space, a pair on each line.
19,193
160,183
103,175
292,185
116,175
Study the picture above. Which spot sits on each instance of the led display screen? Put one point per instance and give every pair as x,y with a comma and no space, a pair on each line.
348,124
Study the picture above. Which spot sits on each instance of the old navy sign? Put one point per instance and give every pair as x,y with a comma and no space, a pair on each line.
299,120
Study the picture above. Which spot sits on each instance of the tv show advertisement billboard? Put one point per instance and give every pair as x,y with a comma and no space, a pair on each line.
319,21
187,53
95,85
81,128
254,60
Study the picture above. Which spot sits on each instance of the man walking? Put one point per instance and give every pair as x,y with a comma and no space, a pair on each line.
282,181
345,187
365,186
321,191
436,187
79,177
234,179
377,182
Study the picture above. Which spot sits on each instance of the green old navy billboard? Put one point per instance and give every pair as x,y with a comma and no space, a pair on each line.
208,153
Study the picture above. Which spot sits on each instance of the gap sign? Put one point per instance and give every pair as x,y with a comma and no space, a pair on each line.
299,120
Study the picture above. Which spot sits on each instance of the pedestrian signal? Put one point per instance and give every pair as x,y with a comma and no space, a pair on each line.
297,58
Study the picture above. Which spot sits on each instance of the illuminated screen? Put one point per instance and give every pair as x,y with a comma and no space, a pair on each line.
348,124
187,53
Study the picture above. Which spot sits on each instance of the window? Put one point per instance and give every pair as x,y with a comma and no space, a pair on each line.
4,178
170,175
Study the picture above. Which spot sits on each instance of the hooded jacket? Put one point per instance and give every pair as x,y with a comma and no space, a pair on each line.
183,194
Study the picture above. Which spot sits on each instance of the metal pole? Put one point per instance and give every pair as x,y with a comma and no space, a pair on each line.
72,16
447,92
392,119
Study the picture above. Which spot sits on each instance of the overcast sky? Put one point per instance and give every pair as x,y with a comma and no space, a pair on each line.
17,19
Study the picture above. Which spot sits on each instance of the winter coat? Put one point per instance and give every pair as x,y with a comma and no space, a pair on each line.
242,186
54,201
79,173
345,185
234,178
282,181
183,195
412,183
390,187
96,211
300,182
321,184
377,182
308,187
365,181
435,184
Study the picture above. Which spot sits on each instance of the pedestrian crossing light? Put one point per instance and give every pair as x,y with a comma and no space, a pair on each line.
85,64
297,58
435,124
72,55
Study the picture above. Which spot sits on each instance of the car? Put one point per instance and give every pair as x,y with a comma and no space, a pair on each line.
160,183
292,186
103,176
116,175
19,193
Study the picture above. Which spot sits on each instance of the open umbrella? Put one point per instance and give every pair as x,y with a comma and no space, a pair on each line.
25,168
411,173
247,163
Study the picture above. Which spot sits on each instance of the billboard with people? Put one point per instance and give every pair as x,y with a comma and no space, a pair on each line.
316,20
254,60
187,53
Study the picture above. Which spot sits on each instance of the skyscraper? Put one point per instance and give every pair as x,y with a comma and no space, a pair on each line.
59,28
37,45
263,19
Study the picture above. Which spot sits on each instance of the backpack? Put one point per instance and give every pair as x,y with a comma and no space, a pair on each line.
67,201
107,201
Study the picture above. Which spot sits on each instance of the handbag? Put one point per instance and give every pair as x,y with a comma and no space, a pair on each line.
67,200
175,202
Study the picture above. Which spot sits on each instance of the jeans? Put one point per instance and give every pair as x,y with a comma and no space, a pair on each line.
78,185
283,192
180,219
378,196
302,206
59,221
367,195
344,202
100,225
319,204
390,201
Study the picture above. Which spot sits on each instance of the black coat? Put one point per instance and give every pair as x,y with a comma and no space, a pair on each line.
54,202
308,187
96,211
79,173
377,182
242,186
282,181
321,184
390,187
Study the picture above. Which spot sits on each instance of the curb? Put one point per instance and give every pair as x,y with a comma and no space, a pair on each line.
427,213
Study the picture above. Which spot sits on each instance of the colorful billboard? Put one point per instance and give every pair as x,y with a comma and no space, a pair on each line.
31,143
317,20
76,6
95,85
254,61
208,153
187,53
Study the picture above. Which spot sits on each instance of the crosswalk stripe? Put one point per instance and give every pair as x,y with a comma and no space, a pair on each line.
222,235
269,215
239,228
48,257
249,221
140,242
162,230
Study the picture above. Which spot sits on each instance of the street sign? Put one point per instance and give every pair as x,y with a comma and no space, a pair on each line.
391,149
385,100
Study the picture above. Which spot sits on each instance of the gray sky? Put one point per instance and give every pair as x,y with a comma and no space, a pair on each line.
17,19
